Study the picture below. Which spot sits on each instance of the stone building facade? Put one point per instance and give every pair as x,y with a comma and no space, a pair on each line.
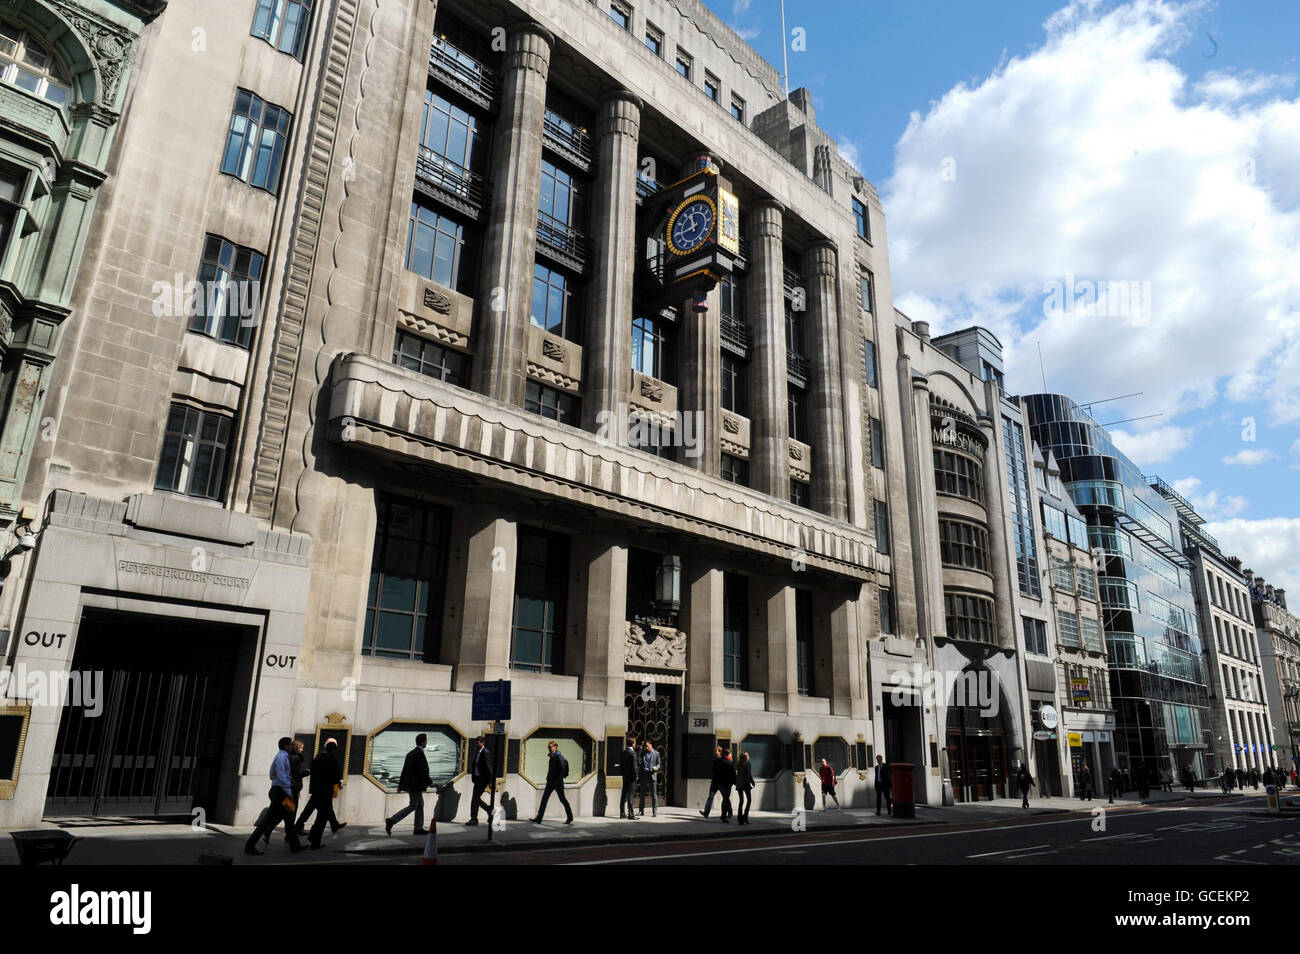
1278,633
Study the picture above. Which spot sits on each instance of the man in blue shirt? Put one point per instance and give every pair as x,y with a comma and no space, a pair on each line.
282,806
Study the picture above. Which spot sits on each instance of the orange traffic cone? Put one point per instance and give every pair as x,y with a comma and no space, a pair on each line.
431,844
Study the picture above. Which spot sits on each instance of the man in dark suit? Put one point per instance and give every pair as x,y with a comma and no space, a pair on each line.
724,778
713,785
480,774
414,780
884,785
325,779
628,766
556,772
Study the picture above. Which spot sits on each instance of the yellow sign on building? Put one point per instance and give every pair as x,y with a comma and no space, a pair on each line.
1076,739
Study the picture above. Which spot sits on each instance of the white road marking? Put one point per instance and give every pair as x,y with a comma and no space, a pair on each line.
1031,854
988,854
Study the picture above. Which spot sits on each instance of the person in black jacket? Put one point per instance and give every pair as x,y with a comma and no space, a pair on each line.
744,788
556,772
414,780
481,775
325,779
884,785
628,766
713,788
724,777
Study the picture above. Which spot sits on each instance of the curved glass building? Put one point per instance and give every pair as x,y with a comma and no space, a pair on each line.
1158,681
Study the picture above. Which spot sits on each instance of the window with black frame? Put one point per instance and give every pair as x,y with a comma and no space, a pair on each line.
453,146
436,249
430,358
886,610
552,402
882,528
13,209
541,592
560,207
735,631
869,353
653,348
861,219
963,545
797,413
735,470
227,301
256,142
877,443
801,493
557,302
957,475
195,445
968,617
735,385
283,24
408,577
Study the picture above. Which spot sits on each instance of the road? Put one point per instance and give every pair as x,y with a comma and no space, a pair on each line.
1237,833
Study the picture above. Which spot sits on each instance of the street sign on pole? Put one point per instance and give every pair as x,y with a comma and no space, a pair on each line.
491,701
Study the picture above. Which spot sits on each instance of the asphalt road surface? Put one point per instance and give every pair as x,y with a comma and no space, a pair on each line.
1233,834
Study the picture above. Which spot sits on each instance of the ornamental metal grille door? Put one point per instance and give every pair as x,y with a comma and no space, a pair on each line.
155,749
650,711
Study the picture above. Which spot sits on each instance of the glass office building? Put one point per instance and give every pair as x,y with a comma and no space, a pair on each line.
1158,681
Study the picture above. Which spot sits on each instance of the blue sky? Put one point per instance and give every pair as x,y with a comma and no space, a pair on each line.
1151,147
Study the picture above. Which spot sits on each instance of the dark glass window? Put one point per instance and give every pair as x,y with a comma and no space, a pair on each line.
958,476
652,349
712,87
869,352
194,453
435,248
797,413
1035,635
886,610
968,617
735,385
561,195
453,143
283,24
735,632
541,590
620,15
551,402
882,527
738,109
963,545
803,637
1022,517
877,443
556,302
654,40
256,143
867,292
861,220
684,64
427,357
1054,522
408,577
735,469
793,331
230,284
801,493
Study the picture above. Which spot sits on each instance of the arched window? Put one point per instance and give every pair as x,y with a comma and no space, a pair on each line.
27,64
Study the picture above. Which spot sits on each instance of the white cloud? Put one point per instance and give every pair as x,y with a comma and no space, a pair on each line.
1226,87
1248,458
739,6
1094,156
849,150
1270,547
748,34
1209,504
1152,446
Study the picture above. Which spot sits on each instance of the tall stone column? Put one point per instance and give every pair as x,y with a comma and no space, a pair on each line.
843,642
704,689
608,352
510,242
995,489
769,448
599,656
774,633
825,389
480,603
699,383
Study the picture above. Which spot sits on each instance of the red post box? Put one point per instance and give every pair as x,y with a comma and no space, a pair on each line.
904,789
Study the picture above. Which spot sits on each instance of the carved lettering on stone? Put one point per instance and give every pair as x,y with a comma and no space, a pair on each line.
656,647
437,301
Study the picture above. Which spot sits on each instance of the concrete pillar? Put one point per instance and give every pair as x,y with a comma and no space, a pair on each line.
704,592
597,657
825,385
481,593
699,383
843,645
774,632
510,242
769,453
608,351
1000,557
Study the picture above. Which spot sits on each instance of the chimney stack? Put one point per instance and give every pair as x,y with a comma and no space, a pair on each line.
1281,597
922,330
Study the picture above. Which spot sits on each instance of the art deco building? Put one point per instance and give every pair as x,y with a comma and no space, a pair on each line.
421,344
1278,631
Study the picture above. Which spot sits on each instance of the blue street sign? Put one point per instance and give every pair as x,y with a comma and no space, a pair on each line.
491,701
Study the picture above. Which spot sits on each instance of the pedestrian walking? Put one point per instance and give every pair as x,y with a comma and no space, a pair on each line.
414,780
650,763
726,781
1127,781
1085,783
884,785
1254,778
628,765
1167,779
744,788
1025,782
282,807
713,788
556,772
828,783
1241,779
1189,777
297,772
482,776
1226,781
1141,780
1113,783
326,777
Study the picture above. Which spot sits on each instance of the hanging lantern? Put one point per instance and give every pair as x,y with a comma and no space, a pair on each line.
668,584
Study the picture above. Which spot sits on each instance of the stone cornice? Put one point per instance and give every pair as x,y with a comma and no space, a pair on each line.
380,407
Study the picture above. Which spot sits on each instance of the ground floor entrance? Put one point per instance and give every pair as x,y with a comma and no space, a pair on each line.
155,742
651,715
978,763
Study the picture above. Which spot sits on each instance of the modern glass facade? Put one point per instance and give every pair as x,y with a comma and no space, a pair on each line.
1159,686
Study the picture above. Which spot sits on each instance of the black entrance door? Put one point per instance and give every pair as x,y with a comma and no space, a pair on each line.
154,743
650,711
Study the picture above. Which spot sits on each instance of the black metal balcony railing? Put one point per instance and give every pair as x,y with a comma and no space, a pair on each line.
450,176
734,332
561,236
463,68
790,279
566,137
797,365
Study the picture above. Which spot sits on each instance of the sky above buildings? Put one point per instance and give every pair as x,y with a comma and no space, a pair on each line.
1116,184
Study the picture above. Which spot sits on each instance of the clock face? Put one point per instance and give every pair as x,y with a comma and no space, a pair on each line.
691,225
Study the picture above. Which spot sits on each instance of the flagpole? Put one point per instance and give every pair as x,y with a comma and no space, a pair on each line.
785,61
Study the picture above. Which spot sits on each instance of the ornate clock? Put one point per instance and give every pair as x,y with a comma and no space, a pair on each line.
691,224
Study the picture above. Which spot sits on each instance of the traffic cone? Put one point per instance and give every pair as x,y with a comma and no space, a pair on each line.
431,844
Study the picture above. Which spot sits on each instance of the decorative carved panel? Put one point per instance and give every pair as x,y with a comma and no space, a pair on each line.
655,647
